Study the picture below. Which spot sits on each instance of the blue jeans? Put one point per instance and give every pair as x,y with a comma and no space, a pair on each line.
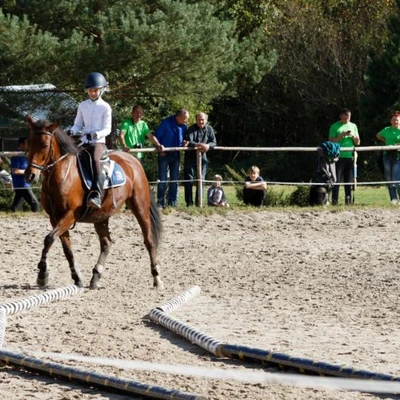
168,162
391,167
190,173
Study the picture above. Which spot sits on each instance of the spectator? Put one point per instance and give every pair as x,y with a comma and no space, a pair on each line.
169,133
215,194
94,120
199,136
255,188
391,159
23,190
134,131
345,133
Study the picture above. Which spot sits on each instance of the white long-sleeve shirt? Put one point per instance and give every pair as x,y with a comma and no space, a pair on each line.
93,117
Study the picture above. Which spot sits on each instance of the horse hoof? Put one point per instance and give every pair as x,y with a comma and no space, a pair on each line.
42,281
79,284
158,283
94,283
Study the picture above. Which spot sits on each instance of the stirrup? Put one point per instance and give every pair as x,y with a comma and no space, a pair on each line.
94,199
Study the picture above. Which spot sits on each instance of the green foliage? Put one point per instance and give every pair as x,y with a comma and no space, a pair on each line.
296,102
237,179
276,198
6,196
257,67
300,197
382,79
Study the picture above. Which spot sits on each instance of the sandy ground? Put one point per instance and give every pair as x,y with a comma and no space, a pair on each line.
318,284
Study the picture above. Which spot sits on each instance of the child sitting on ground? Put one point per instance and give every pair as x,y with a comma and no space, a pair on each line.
255,188
215,194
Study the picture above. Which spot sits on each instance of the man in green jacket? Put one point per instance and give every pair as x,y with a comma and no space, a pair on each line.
345,133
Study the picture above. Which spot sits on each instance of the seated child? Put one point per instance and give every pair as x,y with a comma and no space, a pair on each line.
215,194
255,188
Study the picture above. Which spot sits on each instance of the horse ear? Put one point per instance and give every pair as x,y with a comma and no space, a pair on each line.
54,126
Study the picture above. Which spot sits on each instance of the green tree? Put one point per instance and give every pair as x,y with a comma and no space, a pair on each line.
182,53
383,79
322,51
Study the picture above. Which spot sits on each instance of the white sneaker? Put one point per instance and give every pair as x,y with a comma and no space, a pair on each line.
393,201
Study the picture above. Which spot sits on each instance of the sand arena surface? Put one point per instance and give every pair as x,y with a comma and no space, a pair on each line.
316,284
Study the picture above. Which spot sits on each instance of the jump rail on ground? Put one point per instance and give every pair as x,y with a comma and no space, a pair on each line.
265,357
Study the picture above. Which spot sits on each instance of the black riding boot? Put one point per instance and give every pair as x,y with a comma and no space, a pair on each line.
95,194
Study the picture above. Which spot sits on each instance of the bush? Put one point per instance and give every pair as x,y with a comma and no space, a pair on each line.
276,198
300,197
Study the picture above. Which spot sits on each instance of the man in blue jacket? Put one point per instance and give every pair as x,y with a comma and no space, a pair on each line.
23,190
170,133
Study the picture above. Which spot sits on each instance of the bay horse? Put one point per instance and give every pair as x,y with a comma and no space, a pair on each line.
54,154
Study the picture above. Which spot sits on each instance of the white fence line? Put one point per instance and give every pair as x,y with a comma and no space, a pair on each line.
199,182
228,148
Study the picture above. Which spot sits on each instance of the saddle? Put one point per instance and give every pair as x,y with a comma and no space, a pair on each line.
113,172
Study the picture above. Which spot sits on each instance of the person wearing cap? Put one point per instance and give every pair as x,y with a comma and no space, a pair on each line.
93,124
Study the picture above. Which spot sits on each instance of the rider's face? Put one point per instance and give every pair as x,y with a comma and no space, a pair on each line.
94,93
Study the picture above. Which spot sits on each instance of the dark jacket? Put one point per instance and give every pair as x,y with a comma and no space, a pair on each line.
195,135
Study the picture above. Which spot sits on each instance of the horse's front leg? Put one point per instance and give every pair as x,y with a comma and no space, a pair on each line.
59,227
75,273
105,245
43,275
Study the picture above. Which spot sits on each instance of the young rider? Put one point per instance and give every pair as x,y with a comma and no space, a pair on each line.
93,123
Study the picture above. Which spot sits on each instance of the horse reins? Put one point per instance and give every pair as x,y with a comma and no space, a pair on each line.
47,167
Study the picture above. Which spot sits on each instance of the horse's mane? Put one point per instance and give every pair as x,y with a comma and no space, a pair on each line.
66,143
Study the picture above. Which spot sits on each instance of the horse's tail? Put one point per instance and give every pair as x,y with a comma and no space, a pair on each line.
156,222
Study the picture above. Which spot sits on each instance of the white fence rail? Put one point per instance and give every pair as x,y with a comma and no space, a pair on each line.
199,181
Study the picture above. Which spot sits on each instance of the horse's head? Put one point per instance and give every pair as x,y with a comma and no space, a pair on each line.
40,147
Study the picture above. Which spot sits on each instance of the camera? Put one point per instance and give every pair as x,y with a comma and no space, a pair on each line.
138,145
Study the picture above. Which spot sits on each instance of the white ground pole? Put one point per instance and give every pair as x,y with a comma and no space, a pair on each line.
27,303
160,316
242,375
179,300
244,353
3,322
30,302
72,373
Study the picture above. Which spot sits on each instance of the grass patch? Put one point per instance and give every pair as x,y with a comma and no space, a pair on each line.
365,196
280,199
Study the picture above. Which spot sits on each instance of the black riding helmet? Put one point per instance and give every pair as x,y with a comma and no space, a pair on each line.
95,80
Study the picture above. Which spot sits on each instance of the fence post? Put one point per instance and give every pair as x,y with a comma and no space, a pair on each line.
199,182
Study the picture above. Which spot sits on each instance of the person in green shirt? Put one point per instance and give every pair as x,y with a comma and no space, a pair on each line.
391,159
134,132
345,133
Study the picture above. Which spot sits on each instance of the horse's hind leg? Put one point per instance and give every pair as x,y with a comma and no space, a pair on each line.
66,244
105,245
149,220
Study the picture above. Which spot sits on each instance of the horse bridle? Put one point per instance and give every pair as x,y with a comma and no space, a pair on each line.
47,167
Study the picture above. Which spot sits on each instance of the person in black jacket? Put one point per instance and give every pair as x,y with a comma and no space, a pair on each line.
199,136
254,188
